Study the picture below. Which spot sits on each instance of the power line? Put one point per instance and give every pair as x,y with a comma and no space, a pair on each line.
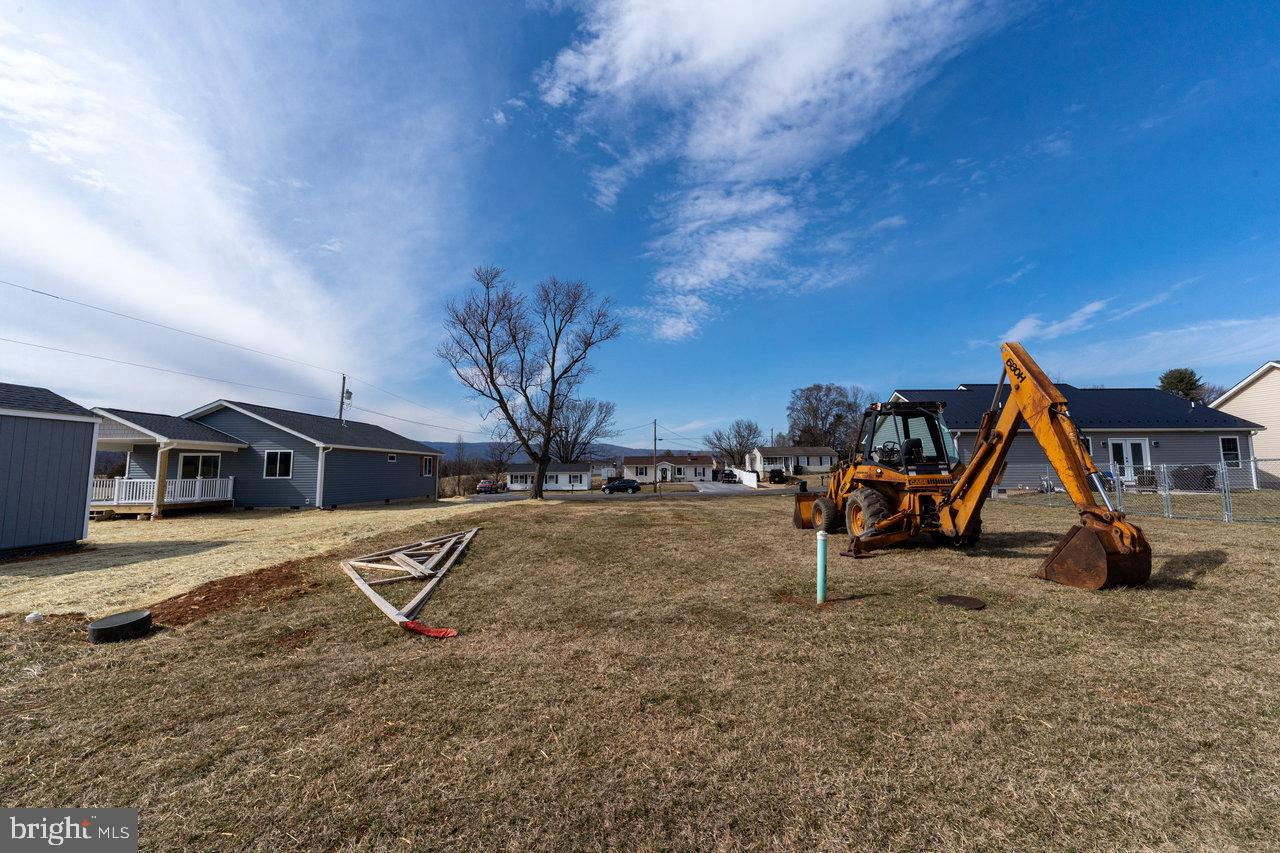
163,369
412,421
226,343
678,435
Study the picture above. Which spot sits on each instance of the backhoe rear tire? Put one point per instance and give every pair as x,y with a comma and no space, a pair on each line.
826,516
864,510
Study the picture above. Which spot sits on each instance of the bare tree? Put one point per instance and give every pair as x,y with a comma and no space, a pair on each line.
736,442
580,425
1210,391
526,357
459,459
499,455
825,415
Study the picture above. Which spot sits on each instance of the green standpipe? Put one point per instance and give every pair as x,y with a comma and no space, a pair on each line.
822,566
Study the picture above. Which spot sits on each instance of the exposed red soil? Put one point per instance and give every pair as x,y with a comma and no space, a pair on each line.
271,583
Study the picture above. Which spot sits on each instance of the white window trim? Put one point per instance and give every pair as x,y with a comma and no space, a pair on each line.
1222,452
182,456
427,468
391,457
267,455
575,479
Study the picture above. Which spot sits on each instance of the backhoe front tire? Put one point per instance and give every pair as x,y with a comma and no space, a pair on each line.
864,510
825,515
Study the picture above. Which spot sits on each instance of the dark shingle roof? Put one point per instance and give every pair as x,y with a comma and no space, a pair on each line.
174,428
1091,408
334,432
553,468
797,451
30,399
674,459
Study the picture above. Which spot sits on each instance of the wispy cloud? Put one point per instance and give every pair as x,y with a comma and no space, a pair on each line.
742,97
1033,327
890,223
1227,341
1017,274
146,168
1159,299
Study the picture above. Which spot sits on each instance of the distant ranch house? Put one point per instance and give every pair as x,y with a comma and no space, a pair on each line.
559,477
679,467
243,454
46,469
1139,433
792,460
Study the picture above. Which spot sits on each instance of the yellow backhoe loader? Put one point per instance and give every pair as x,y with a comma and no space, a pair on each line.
906,479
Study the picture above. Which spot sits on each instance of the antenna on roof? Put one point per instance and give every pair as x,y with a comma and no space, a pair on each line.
344,397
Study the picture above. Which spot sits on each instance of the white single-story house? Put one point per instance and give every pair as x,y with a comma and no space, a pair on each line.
792,460
675,467
1133,429
560,477
1256,398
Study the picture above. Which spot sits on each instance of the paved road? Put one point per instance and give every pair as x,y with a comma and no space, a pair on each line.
705,490
723,488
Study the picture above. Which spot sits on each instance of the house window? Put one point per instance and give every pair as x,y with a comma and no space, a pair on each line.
1088,444
679,472
279,465
642,471
199,465
391,457
428,466
550,479
575,479
1230,450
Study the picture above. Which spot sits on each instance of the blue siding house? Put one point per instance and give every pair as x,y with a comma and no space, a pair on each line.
46,468
230,452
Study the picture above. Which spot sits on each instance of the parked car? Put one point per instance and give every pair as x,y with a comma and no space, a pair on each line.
728,477
628,486
777,475
486,487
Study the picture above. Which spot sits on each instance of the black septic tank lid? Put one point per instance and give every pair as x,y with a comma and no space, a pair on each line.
120,626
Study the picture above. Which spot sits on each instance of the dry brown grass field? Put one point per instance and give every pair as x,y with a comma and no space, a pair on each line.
652,675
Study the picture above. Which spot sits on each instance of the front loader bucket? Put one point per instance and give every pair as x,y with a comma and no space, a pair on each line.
803,515
1093,558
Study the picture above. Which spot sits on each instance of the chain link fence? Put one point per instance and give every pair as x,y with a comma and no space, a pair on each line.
1245,490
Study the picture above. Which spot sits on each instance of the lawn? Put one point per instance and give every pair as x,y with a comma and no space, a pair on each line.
653,675
128,563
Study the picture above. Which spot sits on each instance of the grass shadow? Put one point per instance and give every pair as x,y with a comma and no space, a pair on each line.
1022,543
108,555
1183,571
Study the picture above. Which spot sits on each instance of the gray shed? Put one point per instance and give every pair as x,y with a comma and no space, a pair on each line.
46,468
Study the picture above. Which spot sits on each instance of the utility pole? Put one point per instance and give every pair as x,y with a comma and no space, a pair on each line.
343,397
655,456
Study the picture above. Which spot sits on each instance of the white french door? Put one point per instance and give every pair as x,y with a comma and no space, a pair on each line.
1129,455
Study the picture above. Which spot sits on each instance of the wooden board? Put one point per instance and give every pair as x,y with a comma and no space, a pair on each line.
430,559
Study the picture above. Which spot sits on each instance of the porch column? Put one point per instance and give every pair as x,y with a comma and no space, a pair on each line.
162,473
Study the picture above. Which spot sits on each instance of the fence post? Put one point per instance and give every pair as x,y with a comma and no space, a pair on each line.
1118,486
1226,491
1164,491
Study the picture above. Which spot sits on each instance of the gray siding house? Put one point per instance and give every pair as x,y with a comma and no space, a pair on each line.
46,468
257,456
1129,429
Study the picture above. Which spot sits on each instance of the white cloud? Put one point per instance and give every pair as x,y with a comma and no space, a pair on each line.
1211,343
142,171
1033,327
1159,299
743,96
890,223
499,118
1017,274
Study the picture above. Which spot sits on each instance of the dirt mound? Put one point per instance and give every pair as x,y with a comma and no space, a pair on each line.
272,583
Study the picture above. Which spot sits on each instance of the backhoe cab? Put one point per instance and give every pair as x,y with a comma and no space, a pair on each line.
906,479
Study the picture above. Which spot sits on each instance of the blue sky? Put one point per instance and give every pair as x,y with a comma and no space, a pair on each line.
773,194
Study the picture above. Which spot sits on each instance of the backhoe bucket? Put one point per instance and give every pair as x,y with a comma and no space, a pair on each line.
803,515
1092,557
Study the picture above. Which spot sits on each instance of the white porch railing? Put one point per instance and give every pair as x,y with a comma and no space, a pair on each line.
118,490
